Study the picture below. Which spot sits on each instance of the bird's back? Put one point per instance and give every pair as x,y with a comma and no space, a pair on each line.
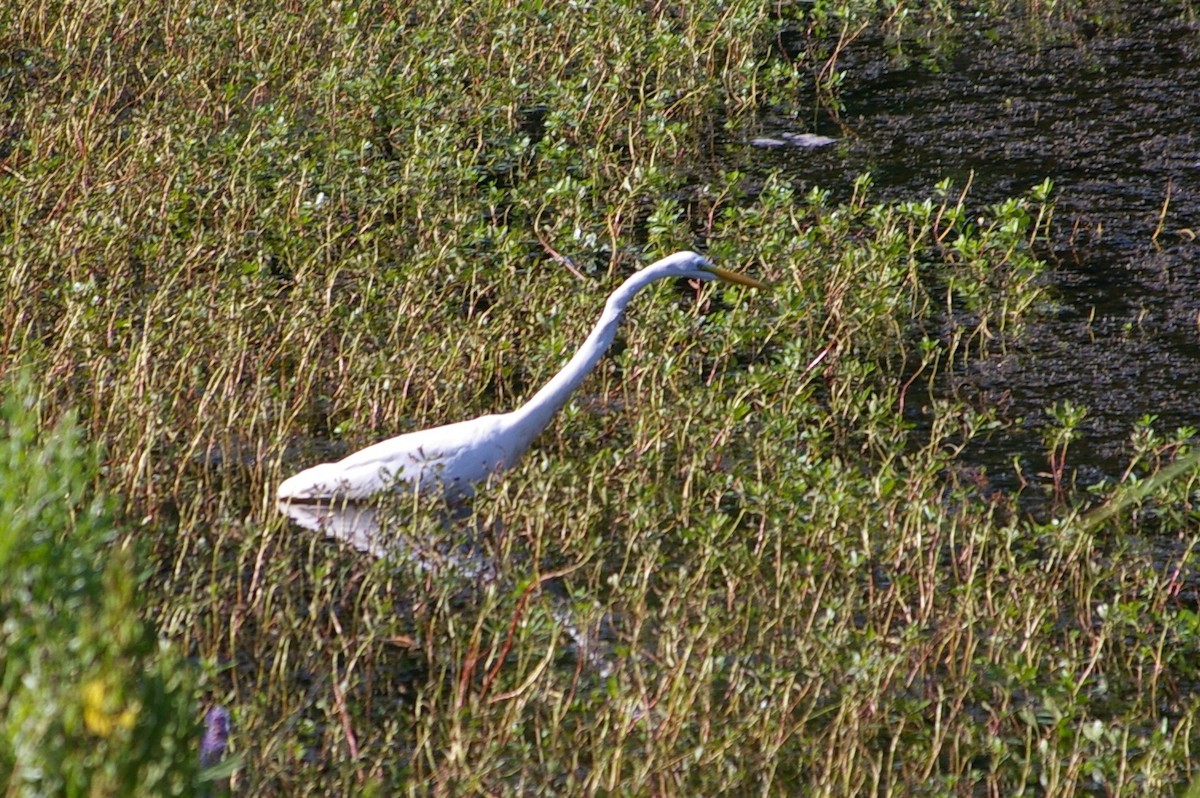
450,459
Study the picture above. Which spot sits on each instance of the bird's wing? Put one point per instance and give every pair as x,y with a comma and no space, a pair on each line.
454,457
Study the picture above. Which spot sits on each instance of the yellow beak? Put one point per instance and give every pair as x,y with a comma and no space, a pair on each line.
734,277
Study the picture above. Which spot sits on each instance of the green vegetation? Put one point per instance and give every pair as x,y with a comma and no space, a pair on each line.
237,237
91,703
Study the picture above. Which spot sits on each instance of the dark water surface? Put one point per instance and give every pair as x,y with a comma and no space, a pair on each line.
1110,112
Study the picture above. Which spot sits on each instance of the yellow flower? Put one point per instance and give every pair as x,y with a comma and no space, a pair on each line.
98,717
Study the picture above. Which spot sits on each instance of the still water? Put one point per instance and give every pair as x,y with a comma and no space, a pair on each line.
1110,111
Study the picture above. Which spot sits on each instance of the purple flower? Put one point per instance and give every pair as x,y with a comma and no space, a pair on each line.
216,736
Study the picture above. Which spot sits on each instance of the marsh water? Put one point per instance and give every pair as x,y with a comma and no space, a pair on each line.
1109,109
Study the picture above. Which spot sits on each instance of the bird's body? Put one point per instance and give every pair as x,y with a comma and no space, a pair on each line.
453,458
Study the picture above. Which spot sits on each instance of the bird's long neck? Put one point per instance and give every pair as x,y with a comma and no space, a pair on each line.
532,417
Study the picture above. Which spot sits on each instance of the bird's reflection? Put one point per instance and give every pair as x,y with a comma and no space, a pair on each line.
355,524
378,530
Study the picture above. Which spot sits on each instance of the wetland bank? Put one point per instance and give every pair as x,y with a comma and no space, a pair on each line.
239,242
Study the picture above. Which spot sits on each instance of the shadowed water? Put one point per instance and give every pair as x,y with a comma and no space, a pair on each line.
1110,111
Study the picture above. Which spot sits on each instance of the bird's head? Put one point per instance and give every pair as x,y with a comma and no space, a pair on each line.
697,267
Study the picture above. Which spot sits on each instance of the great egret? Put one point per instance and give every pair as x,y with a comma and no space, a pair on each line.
452,459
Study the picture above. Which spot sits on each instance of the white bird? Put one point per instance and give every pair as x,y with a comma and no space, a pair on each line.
453,458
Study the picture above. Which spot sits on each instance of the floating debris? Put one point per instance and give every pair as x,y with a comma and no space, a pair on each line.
802,140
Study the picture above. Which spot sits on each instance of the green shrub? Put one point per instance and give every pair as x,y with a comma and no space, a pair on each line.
91,702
